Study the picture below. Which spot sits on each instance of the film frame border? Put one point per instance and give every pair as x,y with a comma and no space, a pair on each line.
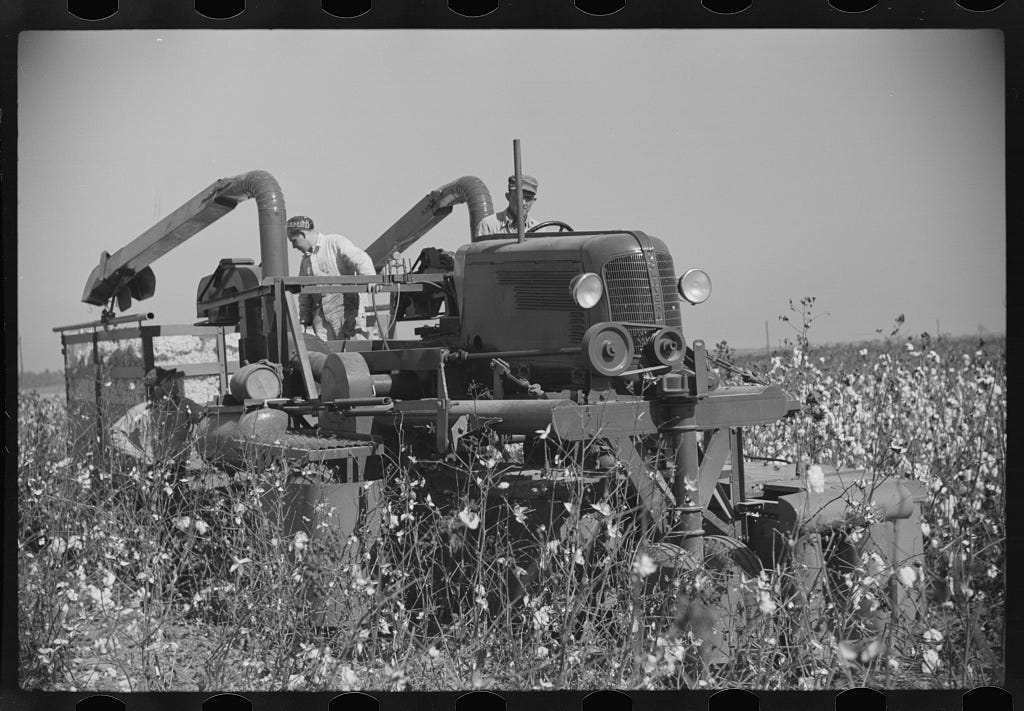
24,15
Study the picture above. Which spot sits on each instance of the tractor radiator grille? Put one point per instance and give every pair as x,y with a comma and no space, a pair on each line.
630,296
673,315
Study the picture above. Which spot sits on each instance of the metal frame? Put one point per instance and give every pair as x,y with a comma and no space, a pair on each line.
100,332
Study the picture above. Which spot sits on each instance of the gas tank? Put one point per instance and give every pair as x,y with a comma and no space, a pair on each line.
222,434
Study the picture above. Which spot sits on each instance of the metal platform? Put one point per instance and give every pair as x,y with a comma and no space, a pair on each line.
313,448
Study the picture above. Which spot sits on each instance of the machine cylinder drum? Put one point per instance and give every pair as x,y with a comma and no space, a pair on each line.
256,381
222,435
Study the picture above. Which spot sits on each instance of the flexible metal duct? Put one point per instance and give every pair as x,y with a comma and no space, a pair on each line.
262,186
116,271
472,191
425,214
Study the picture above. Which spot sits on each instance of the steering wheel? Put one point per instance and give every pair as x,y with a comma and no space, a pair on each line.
562,227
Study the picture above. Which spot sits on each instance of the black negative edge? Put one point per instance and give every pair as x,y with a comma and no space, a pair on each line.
554,14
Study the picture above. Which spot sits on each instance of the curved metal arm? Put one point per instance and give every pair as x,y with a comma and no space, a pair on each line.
116,271
429,211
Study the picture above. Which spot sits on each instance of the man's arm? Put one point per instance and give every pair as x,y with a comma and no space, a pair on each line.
351,259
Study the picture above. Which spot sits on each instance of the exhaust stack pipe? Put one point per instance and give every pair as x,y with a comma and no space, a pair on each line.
116,272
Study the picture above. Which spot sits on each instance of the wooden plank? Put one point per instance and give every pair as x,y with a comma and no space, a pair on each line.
607,419
111,335
721,527
188,219
729,406
117,334
292,304
195,369
361,289
180,329
128,372
715,455
657,500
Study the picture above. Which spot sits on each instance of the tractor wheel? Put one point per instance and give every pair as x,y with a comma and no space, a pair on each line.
721,605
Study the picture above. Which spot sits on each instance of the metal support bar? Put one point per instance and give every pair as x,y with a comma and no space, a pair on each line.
148,355
362,288
236,298
520,354
351,279
222,361
520,222
98,386
738,483
442,405
686,488
724,528
700,367
281,328
291,302
129,318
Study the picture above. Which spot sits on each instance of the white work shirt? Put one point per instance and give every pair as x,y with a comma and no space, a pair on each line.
335,316
502,222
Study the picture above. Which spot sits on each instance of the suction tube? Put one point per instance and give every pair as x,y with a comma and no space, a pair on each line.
429,211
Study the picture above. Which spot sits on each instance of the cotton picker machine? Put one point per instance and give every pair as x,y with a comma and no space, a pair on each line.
548,340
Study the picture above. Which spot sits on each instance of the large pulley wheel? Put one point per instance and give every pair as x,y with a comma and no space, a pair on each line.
608,348
345,375
667,347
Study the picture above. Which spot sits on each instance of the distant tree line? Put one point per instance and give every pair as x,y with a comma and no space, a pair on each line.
48,378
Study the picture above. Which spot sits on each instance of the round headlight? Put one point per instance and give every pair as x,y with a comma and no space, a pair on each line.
695,286
586,289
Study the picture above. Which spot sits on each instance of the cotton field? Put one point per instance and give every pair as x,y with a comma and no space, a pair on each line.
137,579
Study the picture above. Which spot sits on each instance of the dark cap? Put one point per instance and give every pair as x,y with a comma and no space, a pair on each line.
529,184
299,222
158,375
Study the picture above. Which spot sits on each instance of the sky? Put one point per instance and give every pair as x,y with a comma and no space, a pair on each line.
862,167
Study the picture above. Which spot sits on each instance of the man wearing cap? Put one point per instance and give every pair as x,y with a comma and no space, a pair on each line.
159,429
332,316
505,221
